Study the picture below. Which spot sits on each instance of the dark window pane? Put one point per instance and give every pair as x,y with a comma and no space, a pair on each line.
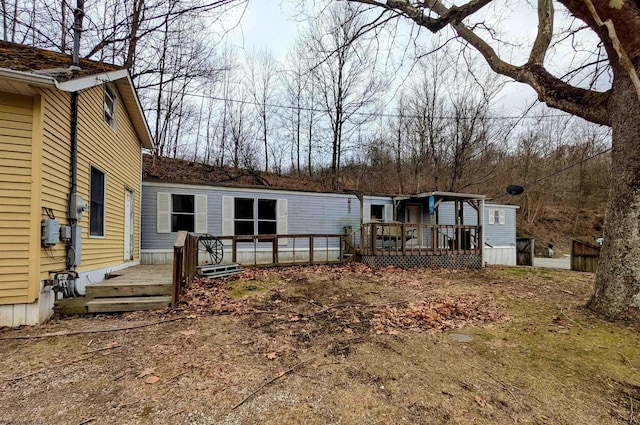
96,205
266,227
243,209
183,203
96,220
182,222
266,209
377,212
244,228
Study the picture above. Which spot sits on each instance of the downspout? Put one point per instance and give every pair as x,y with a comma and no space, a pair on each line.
76,205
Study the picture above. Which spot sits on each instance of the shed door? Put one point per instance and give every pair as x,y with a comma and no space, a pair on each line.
414,216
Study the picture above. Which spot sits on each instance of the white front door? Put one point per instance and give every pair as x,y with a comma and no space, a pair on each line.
128,225
414,216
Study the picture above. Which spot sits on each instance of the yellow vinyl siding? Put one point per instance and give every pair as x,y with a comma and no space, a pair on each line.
117,154
56,174
16,124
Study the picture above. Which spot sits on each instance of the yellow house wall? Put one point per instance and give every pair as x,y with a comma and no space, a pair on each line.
35,173
16,203
116,152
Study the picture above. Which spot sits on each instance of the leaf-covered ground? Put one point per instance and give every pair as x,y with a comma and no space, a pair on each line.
335,345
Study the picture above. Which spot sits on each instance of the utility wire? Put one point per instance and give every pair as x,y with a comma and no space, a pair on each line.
365,114
555,173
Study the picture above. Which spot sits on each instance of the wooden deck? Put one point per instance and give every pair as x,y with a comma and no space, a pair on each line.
146,287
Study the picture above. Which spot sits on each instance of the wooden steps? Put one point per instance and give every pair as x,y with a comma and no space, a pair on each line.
108,290
121,304
219,270
137,288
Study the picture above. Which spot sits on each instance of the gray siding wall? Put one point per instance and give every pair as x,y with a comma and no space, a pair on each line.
446,214
500,234
494,234
308,213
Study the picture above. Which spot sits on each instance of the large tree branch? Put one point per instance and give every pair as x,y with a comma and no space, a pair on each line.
545,32
588,104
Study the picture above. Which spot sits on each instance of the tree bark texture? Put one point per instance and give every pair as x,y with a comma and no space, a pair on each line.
617,288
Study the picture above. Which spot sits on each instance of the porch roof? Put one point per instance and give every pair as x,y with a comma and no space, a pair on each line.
442,196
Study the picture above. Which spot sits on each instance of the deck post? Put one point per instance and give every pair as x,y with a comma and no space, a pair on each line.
274,250
310,249
234,250
403,233
374,238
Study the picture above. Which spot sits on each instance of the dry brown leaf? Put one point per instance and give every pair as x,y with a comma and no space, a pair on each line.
152,379
272,355
481,401
348,330
188,333
145,372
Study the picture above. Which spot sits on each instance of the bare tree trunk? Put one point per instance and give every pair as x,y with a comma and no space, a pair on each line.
617,288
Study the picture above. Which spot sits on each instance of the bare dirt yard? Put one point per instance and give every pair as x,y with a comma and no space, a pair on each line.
335,345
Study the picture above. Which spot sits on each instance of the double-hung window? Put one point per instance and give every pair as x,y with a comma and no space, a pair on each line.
109,107
183,213
97,201
255,216
496,216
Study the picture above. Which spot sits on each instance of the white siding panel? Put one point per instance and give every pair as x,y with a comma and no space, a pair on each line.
500,255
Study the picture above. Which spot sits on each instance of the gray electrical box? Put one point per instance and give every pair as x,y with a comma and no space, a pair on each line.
50,233
76,245
76,207
65,233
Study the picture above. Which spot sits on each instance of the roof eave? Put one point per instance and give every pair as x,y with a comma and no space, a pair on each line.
28,77
130,98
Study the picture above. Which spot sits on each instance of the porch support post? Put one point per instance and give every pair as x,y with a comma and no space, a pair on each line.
481,230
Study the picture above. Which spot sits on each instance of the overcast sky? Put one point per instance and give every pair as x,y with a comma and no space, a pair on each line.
274,25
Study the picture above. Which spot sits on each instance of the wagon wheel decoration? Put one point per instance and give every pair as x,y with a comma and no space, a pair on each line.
213,246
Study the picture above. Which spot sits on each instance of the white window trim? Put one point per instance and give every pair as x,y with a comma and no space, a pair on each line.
110,92
165,212
229,216
104,205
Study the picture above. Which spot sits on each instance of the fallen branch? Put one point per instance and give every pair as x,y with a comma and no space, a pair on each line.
569,318
94,331
270,381
108,347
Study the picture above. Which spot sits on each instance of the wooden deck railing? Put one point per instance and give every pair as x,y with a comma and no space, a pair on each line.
256,250
185,260
265,250
418,239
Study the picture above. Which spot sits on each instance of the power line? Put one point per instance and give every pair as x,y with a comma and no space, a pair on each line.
365,114
555,173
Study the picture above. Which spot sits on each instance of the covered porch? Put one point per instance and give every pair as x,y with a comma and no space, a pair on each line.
431,229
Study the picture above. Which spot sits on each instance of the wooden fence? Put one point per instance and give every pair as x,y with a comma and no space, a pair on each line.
300,250
584,256
524,251
185,260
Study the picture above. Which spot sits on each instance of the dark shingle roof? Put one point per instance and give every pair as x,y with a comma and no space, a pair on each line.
173,170
19,57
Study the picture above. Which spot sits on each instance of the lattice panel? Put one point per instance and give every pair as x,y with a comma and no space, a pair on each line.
465,261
